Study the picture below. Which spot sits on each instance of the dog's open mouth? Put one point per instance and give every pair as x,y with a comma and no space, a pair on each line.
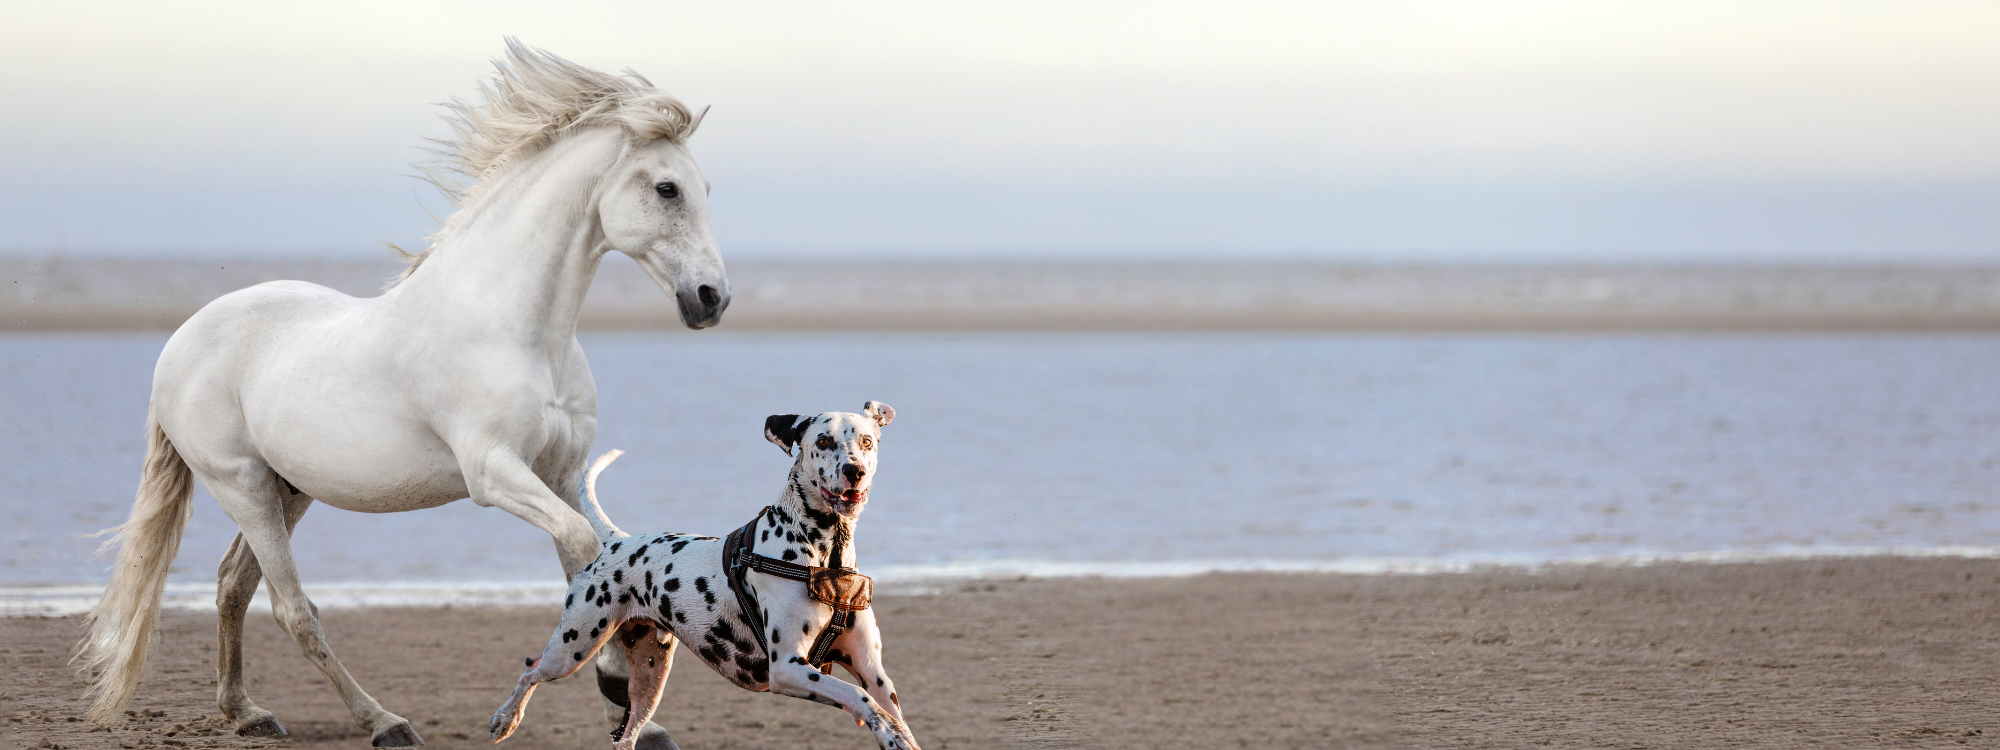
845,502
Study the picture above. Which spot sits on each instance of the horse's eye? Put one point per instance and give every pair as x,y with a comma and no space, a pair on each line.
667,190
825,443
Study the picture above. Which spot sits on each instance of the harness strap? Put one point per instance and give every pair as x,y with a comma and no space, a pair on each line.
739,559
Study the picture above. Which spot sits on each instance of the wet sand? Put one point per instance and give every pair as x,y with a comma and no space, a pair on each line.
132,294
1837,653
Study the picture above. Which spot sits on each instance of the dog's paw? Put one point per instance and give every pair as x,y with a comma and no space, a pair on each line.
891,734
502,725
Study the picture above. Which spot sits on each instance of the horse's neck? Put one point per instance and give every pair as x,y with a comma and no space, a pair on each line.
520,260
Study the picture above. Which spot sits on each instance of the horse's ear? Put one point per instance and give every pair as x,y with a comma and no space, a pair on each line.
882,413
696,125
783,430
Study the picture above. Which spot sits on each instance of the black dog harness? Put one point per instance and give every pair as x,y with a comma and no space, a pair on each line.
844,589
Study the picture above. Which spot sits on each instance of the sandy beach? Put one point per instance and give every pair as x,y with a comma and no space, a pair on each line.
1836,653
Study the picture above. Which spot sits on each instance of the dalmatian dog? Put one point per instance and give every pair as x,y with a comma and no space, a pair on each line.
765,630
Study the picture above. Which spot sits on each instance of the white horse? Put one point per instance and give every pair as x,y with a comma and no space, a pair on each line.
464,379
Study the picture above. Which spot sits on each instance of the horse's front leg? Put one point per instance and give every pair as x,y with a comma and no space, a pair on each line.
500,478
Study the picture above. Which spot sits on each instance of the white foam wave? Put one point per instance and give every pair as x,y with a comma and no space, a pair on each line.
62,600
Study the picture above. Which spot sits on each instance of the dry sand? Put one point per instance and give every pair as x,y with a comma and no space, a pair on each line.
1837,653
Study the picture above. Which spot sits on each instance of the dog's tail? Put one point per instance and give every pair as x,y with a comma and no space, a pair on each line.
120,629
594,513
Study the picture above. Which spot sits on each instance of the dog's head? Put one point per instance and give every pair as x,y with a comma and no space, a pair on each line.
836,453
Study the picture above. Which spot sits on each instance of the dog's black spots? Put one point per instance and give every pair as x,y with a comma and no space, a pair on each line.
806,627
578,656
796,660
774,635
531,661
709,597
673,584
820,518
864,699
764,537
814,676
710,654
893,699
602,622
753,668
616,545
676,549
636,554
569,600
878,681
835,655
667,571
701,584
569,635
618,576
623,598
681,617
595,631
790,555
722,629
649,580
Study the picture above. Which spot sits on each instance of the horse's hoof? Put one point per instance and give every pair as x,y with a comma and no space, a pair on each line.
400,735
654,737
267,726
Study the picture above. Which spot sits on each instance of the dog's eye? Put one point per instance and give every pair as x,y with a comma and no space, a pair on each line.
667,190
867,443
825,443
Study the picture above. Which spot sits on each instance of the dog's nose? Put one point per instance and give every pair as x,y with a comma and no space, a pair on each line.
853,472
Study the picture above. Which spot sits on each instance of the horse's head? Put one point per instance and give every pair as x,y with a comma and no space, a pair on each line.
654,207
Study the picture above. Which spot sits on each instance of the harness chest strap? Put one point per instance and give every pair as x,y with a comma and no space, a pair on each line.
844,589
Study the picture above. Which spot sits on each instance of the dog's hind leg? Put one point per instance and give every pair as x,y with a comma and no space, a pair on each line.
649,657
586,626
236,583
614,683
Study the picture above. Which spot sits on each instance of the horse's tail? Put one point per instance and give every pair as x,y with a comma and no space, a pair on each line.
606,531
121,626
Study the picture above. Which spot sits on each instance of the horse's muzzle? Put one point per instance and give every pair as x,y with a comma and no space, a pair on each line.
702,307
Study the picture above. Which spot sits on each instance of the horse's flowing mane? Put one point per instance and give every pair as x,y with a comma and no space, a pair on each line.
533,99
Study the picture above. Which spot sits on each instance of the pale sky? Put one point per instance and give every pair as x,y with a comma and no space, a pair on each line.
1442,131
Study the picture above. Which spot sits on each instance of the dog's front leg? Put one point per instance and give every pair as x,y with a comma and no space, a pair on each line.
796,677
860,651
649,657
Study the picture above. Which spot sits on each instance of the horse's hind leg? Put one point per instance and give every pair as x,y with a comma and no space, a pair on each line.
255,499
236,583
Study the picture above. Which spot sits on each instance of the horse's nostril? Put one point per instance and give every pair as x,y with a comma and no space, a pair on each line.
709,297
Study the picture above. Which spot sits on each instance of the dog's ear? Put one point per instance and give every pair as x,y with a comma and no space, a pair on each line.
783,430
882,413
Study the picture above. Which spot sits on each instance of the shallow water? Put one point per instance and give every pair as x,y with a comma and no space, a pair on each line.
1161,452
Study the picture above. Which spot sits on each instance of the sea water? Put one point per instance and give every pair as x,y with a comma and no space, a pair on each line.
1135,454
